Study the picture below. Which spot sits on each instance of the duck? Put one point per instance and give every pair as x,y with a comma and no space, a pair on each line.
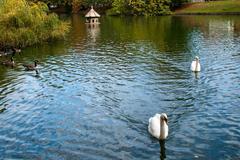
31,67
195,66
3,51
2,109
158,126
16,50
8,63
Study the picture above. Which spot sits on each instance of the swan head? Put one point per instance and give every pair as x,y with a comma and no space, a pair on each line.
196,58
164,117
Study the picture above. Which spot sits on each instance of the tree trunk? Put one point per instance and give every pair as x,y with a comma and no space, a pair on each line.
76,5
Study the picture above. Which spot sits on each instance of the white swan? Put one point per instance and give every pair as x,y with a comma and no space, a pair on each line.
195,66
158,127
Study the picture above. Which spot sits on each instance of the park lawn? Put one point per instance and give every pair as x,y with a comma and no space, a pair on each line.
227,6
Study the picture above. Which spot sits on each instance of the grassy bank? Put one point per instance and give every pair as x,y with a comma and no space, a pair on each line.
213,7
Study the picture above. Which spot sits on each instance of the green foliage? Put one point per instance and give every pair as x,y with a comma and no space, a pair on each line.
97,2
74,3
58,2
136,7
140,7
24,23
158,7
119,7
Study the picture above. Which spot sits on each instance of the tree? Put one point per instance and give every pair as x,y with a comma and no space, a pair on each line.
158,7
118,7
136,7
77,4
140,7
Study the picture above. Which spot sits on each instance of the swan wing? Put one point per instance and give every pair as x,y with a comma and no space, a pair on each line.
154,126
193,66
199,67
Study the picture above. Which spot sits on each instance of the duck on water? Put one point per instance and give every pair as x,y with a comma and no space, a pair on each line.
10,50
31,67
8,63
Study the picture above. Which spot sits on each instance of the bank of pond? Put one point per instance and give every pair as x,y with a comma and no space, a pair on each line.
32,23
24,24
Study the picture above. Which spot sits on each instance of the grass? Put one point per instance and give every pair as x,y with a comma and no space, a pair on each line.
212,7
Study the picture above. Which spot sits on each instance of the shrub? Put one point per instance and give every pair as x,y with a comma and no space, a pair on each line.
140,7
25,23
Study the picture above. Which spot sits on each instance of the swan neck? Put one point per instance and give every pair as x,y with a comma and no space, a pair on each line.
162,129
196,65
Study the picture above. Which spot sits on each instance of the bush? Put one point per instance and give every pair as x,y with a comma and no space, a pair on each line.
140,7
24,23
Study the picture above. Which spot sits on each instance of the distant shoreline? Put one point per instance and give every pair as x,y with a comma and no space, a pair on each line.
210,8
199,13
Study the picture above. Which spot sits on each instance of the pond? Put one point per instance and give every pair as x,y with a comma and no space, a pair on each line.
96,90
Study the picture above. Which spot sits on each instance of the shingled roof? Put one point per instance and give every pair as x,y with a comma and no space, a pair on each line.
92,13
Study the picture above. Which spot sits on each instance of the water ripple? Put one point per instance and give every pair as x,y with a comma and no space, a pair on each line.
96,91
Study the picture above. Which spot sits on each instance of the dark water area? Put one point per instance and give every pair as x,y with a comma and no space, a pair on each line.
97,89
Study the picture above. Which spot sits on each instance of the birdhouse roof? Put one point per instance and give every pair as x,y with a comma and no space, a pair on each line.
92,13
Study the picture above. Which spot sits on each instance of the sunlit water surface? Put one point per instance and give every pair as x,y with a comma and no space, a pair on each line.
97,89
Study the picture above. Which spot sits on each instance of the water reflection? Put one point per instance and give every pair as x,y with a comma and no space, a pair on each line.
162,149
221,26
93,31
196,75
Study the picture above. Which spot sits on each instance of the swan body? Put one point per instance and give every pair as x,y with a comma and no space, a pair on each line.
195,66
158,127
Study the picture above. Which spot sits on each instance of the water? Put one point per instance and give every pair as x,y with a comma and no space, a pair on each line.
97,89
